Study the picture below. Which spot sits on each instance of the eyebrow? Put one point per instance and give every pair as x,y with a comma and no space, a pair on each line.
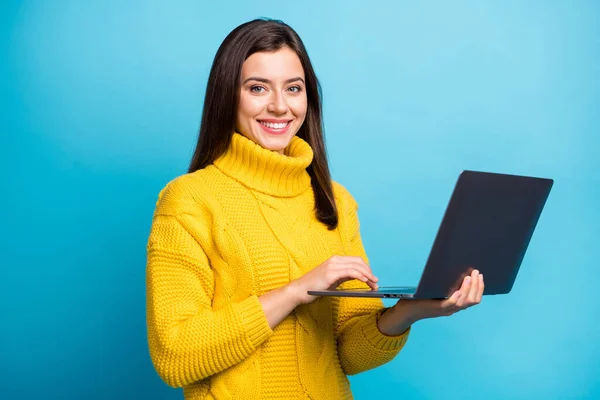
264,80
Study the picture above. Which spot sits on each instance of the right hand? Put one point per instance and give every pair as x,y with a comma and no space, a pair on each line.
331,274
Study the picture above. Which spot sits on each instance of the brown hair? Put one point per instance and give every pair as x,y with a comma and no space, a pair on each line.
222,96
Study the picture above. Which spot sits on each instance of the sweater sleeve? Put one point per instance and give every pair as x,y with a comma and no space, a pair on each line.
188,339
361,345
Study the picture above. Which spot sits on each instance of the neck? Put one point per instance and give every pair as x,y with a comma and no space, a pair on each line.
280,174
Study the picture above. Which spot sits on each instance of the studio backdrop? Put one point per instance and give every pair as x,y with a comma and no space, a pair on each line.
100,107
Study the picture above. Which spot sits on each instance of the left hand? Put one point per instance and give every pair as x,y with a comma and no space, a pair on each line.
406,312
469,294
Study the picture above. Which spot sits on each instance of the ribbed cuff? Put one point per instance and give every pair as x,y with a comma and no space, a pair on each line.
378,339
254,320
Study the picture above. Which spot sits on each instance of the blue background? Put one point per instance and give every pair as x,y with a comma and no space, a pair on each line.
100,107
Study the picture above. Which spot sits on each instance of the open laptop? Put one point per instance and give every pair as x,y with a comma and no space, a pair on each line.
488,224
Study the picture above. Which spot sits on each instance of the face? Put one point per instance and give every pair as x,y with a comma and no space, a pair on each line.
273,100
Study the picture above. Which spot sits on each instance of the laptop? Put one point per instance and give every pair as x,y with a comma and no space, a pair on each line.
488,224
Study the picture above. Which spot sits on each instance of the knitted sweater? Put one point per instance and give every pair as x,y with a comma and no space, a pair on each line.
229,233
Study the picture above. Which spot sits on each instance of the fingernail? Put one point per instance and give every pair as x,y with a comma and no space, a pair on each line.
468,279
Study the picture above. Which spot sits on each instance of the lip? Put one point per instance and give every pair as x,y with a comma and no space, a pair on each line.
272,131
275,121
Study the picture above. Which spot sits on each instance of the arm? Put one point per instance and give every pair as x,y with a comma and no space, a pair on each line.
278,304
188,339
362,345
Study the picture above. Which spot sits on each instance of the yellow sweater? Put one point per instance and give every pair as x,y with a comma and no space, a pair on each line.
223,236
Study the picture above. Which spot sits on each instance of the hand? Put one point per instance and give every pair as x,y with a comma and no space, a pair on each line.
331,274
406,312
468,295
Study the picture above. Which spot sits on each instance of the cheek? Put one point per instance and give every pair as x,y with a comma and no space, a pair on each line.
249,107
299,106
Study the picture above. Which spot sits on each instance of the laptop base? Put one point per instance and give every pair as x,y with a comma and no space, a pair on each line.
399,292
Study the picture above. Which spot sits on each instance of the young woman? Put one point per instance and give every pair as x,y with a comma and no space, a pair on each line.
238,241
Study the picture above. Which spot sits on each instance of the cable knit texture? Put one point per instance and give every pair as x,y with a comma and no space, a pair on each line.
225,235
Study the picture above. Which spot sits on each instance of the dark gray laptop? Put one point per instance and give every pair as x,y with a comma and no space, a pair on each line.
488,224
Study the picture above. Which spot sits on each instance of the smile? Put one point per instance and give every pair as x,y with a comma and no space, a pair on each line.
273,125
275,128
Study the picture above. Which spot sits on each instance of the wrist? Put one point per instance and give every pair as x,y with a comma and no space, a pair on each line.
395,320
292,291
402,315
414,310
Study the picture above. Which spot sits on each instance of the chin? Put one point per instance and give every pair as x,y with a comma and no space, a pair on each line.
276,143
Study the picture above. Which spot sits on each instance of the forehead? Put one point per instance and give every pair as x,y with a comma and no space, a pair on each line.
280,64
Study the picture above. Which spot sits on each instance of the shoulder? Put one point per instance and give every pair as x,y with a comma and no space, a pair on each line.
185,193
343,198
347,208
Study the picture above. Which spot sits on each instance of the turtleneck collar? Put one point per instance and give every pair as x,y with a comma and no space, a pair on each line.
268,171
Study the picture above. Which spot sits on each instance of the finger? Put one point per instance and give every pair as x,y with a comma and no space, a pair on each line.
453,306
359,266
372,279
364,267
373,285
361,261
362,277
464,291
466,283
346,274
481,288
451,301
472,297
334,277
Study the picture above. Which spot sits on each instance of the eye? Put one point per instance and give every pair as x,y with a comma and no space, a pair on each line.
295,89
257,89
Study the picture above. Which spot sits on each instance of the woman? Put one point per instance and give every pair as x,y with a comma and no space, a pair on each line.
237,242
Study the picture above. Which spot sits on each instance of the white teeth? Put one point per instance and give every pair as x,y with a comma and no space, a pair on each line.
274,126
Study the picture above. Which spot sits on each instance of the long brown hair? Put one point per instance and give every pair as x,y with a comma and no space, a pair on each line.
222,97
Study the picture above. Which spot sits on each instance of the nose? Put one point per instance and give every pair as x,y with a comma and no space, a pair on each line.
277,104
